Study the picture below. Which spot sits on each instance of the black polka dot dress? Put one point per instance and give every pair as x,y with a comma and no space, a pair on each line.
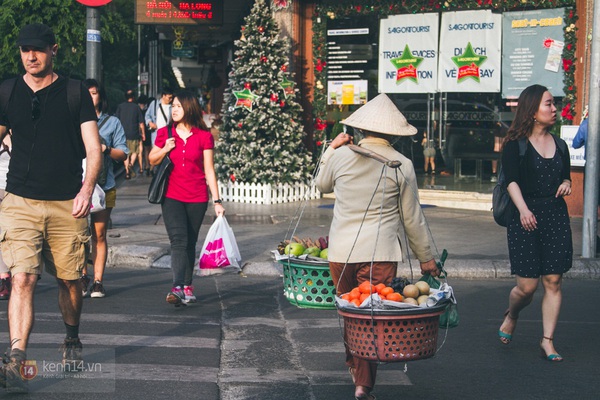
549,248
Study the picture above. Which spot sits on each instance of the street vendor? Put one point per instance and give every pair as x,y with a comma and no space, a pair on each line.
371,201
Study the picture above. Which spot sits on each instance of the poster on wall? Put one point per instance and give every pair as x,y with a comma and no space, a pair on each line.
408,47
567,133
347,92
532,49
470,55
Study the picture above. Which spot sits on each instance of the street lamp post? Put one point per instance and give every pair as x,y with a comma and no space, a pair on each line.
93,57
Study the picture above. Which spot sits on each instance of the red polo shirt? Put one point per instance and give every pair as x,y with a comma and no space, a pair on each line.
187,181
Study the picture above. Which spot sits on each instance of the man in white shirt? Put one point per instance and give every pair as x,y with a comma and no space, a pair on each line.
159,112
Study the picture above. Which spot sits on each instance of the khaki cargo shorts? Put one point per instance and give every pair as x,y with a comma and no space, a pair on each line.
36,231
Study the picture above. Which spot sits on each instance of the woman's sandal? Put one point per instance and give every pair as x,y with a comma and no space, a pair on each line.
550,357
506,338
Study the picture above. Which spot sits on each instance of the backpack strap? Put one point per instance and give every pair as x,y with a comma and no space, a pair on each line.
6,90
74,100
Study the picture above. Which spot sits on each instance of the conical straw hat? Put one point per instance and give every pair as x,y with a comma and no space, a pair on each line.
382,116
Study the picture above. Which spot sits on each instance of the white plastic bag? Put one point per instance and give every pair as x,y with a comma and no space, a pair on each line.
98,199
98,195
220,252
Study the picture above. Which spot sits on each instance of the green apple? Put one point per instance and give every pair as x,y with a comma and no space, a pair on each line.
324,253
313,251
294,249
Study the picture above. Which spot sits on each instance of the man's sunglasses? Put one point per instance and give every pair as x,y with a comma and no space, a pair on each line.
36,110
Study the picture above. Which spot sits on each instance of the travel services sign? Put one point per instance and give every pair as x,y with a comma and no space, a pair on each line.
408,46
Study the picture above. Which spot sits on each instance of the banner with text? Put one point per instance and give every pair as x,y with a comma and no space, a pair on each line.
532,51
408,53
470,56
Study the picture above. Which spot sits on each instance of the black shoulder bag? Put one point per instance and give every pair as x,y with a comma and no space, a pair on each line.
502,205
158,186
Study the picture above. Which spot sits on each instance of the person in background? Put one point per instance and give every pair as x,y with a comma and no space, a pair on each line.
114,147
192,177
4,271
364,238
44,213
146,144
132,119
540,246
428,152
158,114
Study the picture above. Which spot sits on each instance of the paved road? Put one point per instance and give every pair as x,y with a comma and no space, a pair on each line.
244,341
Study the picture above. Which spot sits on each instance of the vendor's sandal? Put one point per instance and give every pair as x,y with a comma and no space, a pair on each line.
506,338
351,370
365,396
550,357
127,176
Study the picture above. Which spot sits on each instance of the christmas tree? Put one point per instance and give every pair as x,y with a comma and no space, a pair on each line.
261,136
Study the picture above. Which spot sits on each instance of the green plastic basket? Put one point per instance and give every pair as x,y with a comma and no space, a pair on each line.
308,284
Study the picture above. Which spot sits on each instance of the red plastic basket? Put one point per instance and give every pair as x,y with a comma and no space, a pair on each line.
389,336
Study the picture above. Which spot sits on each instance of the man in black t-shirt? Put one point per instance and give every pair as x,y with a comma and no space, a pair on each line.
132,119
43,218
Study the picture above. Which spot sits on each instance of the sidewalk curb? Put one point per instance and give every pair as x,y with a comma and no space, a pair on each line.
140,257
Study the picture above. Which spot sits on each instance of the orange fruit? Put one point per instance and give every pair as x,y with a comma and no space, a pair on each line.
366,287
363,297
346,297
394,297
356,302
379,287
354,294
386,290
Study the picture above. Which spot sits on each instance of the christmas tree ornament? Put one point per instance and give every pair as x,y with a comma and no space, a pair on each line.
232,177
245,99
240,125
247,86
287,86
261,29
284,67
282,104
281,4
264,59
274,97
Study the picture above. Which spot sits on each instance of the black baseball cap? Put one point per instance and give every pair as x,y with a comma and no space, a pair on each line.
36,35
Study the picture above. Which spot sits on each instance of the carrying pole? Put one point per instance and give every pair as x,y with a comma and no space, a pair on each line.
592,147
374,156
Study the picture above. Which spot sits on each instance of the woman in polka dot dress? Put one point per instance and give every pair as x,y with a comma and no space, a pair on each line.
539,235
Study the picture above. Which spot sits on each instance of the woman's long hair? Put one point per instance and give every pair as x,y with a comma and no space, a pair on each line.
192,112
103,100
528,104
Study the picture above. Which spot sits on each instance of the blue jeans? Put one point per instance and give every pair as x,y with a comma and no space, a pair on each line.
183,221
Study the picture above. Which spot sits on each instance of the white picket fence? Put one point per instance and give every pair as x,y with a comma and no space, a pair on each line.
258,193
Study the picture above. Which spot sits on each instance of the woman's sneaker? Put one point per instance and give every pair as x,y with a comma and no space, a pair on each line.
189,294
176,297
97,290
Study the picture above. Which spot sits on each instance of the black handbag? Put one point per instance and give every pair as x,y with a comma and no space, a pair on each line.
502,205
158,185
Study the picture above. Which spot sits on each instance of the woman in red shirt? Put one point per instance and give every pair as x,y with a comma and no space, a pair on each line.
190,148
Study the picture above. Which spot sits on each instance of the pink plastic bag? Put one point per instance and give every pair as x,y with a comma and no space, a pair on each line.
220,252
215,255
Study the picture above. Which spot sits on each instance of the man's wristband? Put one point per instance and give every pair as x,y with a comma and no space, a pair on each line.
218,201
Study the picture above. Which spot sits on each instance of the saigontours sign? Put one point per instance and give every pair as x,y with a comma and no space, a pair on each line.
470,55
408,46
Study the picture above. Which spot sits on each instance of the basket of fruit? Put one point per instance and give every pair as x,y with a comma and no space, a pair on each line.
307,282
382,324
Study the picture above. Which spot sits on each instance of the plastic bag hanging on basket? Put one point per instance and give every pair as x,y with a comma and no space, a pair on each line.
220,252
450,318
